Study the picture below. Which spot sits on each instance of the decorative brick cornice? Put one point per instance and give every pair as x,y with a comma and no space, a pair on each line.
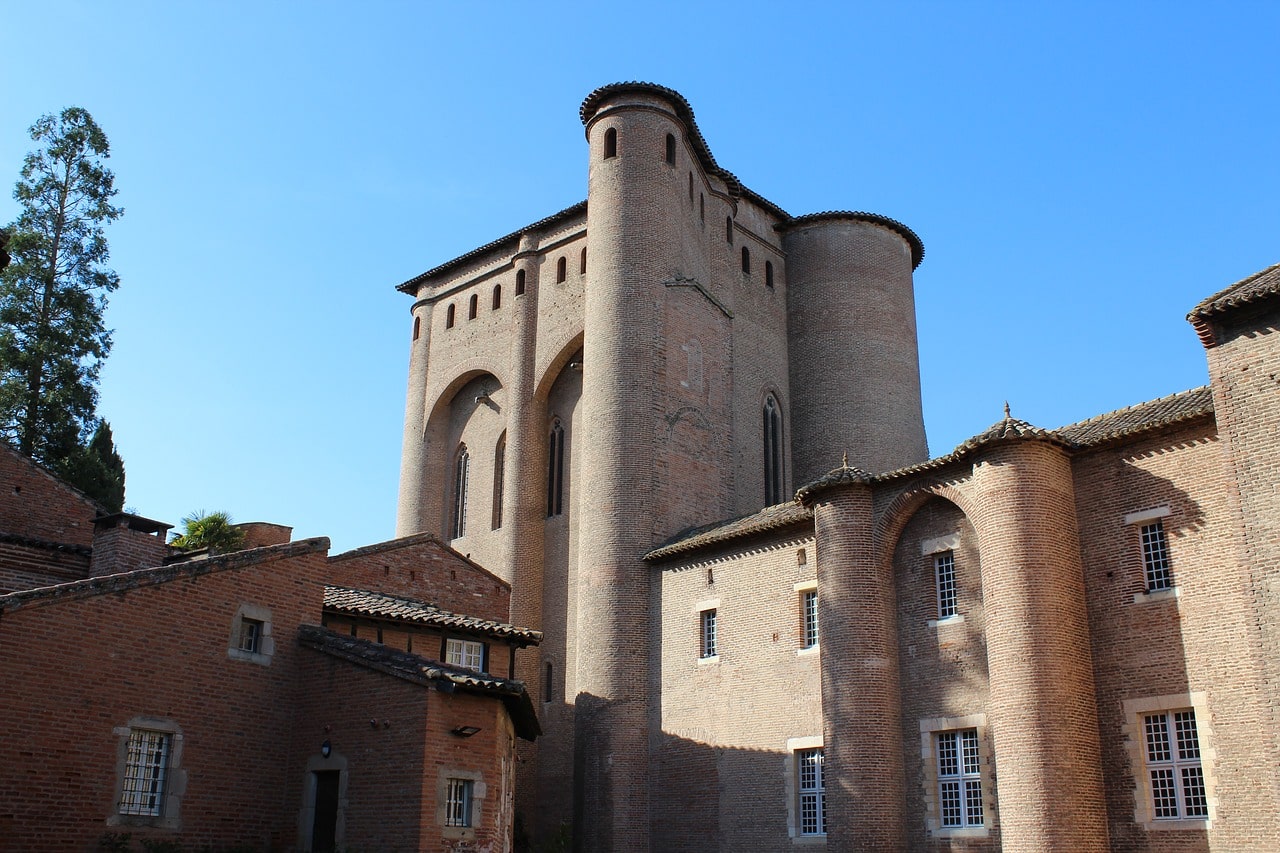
1258,287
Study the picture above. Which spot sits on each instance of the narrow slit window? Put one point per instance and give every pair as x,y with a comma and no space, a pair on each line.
772,453
691,186
449,315
497,297
548,684
473,307
499,473
561,270
610,143
944,571
768,273
461,474
809,618
746,260
702,206
519,282
555,470
582,262
728,230
1155,557
671,149
417,327
707,647
812,787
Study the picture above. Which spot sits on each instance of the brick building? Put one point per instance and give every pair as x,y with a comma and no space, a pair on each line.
1044,640
271,699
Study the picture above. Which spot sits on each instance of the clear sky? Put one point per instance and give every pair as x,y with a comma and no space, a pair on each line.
1081,174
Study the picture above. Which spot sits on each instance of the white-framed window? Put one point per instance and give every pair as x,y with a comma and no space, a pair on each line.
707,634
944,572
468,654
1155,556
811,791
959,779
457,802
1173,764
808,618
146,770
251,637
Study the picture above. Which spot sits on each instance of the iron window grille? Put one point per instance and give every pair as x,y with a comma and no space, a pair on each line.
146,769
813,792
959,779
1155,556
457,803
1173,765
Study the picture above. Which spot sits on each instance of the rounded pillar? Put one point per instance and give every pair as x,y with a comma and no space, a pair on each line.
413,469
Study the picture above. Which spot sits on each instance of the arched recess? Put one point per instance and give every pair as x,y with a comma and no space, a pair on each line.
901,509
470,412
568,351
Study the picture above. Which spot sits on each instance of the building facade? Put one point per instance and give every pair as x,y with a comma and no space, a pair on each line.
1044,640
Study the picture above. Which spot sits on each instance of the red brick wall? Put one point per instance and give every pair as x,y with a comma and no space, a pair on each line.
422,568
34,503
29,565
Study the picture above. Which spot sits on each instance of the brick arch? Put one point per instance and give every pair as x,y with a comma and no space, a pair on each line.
889,526
468,371
563,355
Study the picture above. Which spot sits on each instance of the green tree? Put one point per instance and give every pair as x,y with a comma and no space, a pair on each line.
53,293
212,530
97,469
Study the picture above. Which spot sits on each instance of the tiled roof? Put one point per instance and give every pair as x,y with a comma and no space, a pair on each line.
420,670
379,605
45,544
1153,414
769,518
514,237
1255,288
845,475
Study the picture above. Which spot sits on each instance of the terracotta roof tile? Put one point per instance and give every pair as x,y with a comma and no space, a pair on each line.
379,605
767,519
1153,414
1261,285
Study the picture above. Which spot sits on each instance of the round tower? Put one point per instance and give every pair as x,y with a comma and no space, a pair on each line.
636,226
854,362
1043,707
413,469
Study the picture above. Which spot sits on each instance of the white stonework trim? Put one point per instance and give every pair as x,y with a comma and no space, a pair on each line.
812,651
175,779
794,745
943,623
1134,710
813,742
805,586
266,643
939,544
1173,593
709,660
709,604
1147,515
931,726
478,792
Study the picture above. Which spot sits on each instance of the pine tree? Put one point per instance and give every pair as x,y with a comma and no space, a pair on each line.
53,293
97,469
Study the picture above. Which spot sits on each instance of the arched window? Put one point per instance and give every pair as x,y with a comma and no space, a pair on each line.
448,316
582,262
461,475
473,307
497,297
417,327
561,270
499,472
555,469
691,186
519,282
610,143
548,685
671,149
728,229
746,260
772,452
768,273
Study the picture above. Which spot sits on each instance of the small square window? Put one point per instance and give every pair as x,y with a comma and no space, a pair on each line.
457,803
251,636
808,618
1155,557
707,632
467,654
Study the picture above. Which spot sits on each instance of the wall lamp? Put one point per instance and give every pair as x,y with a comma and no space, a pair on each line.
325,749
464,731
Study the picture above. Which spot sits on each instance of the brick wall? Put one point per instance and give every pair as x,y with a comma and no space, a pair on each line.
36,504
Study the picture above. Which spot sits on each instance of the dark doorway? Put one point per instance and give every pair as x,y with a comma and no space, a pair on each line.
324,830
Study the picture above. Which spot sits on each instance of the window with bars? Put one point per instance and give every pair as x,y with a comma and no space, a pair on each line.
468,654
457,802
145,773
959,779
944,571
707,634
812,789
1173,766
809,618
1155,556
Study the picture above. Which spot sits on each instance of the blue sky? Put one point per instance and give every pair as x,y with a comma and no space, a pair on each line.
1081,175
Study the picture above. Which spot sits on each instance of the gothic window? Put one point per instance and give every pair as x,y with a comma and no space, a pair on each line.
519,282
555,469
497,297
561,270
610,143
461,473
671,149
772,452
499,471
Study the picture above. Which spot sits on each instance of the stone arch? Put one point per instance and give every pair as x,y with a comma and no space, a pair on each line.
564,355
888,527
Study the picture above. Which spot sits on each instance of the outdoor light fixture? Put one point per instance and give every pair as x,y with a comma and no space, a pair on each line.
464,731
484,397
326,748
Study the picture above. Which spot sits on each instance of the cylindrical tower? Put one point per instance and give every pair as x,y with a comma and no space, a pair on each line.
635,240
854,362
412,465
858,633
1043,707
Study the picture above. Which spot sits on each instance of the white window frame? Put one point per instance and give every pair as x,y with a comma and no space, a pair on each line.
808,619
466,654
811,792
708,636
944,576
976,783
1137,712
959,759
150,780
1157,564
797,793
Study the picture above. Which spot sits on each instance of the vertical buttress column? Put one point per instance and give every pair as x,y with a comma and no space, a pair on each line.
412,464
1043,706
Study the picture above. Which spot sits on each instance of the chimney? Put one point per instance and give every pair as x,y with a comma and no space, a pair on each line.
259,534
123,542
